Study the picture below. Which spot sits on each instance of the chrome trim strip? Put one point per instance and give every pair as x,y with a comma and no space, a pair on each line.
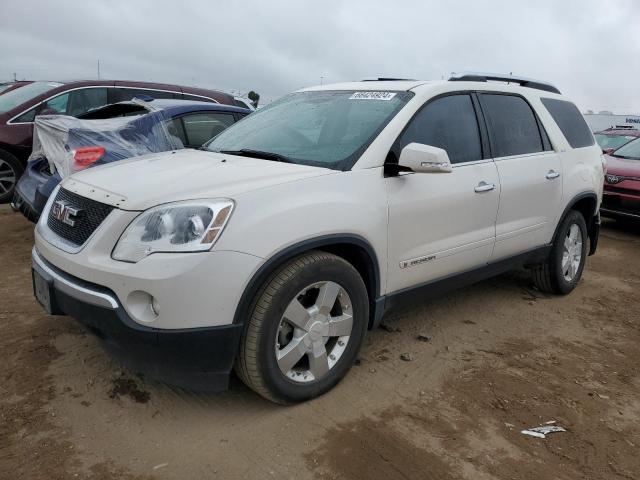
472,162
618,213
11,120
72,289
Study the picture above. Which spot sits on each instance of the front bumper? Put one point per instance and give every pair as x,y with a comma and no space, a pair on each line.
615,205
195,358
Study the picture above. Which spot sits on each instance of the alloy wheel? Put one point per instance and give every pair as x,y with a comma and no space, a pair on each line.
7,177
314,331
572,253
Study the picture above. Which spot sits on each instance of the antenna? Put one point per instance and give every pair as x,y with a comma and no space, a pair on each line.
98,69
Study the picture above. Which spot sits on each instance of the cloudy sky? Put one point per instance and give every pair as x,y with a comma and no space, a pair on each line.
589,48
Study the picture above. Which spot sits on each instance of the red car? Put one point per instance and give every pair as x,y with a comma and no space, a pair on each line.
8,86
621,197
616,137
19,107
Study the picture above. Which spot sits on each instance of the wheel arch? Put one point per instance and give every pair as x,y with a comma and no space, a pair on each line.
353,248
585,203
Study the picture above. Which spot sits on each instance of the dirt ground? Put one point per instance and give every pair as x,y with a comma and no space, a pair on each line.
490,360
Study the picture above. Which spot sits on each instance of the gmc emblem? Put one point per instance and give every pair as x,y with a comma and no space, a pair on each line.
65,213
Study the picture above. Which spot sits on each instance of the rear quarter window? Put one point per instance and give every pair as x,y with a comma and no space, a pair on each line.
570,121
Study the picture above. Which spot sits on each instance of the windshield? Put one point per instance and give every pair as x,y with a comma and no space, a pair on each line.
631,150
612,141
328,129
14,98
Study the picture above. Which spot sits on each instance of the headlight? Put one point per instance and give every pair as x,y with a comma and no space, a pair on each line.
191,226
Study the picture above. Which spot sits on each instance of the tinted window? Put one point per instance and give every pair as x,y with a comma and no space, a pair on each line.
56,105
513,128
85,99
28,116
176,130
201,127
449,123
570,121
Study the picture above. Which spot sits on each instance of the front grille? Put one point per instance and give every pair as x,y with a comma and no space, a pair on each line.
90,215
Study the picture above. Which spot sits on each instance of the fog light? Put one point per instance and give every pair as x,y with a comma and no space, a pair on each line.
155,306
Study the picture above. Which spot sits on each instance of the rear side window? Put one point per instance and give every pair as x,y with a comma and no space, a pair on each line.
83,100
449,123
570,121
513,127
202,127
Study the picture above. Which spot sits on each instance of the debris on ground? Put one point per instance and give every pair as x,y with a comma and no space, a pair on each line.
123,386
389,328
544,430
423,338
406,357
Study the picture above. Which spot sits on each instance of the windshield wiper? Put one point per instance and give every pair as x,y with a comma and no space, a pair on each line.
247,152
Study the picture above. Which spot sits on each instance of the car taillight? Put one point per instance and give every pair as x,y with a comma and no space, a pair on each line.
87,156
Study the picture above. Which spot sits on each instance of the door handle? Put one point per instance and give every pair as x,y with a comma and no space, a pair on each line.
551,174
484,187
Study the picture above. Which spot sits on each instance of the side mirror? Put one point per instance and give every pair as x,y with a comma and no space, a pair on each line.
608,151
421,158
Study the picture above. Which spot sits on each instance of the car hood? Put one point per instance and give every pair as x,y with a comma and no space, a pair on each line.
143,182
622,166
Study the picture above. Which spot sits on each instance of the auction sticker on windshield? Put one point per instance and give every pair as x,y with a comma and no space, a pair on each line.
372,96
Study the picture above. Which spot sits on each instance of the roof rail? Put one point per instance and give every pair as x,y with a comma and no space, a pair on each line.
386,79
484,77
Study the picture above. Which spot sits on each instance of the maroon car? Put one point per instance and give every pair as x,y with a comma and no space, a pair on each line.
8,86
19,107
616,137
621,197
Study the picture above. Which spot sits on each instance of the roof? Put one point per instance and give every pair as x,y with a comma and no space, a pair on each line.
614,131
175,107
368,85
464,82
167,107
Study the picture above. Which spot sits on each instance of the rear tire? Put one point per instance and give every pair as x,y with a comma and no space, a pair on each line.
562,270
316,308
10,171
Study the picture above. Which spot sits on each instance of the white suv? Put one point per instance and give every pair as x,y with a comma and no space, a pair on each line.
275,250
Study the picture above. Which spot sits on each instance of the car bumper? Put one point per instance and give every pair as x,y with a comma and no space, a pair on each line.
194,358
620,206
33,190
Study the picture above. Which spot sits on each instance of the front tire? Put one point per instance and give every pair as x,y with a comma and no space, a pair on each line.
562,271
305,329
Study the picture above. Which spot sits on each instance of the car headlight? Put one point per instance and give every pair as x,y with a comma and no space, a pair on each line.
190,226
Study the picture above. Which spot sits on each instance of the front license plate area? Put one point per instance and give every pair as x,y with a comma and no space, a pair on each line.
43,291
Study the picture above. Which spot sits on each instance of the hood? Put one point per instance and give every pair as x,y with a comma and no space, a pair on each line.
143,182
622,166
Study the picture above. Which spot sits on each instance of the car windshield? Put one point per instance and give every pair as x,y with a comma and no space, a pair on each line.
631,150
323,128
14,98
612,141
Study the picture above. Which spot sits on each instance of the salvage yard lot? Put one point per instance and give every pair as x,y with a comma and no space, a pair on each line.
478,365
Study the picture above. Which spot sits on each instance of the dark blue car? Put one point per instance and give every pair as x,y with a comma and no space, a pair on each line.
154,126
